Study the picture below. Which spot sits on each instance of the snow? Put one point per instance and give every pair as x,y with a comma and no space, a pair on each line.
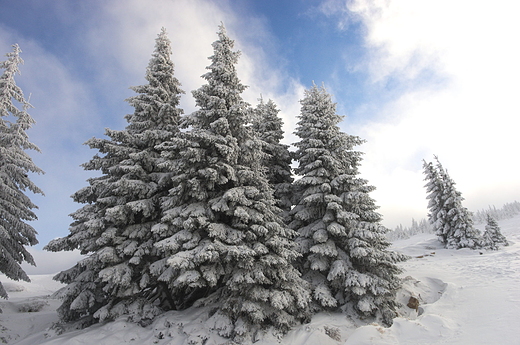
466,297
15,322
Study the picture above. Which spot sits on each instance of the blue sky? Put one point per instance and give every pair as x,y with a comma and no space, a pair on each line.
414,78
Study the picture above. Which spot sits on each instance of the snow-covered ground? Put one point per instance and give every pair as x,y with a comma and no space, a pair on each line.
466,297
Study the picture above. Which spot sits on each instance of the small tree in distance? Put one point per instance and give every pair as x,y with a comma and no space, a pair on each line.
435,190
15,165
492,237
452,222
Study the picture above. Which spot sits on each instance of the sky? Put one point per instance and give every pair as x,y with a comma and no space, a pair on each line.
413,78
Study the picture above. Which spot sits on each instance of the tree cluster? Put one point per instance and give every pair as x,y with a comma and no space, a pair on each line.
453,223
202,209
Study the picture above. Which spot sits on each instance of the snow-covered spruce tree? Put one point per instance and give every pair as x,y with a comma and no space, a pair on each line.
452,221
492,237
268,127
15,165
122,205
227,240
435,196
343,244
461,233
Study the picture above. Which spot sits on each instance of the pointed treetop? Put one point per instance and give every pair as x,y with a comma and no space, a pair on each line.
13,60
9,91
8,88
222,28
220,99
223,47
157,102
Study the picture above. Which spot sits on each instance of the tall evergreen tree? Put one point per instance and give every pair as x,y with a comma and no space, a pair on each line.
268,127
492,237
122,205
226,239
458,220
343,244
452,222
15,165
435,197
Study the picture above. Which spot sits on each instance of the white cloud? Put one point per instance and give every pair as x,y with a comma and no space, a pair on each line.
123,39
128,31
462,61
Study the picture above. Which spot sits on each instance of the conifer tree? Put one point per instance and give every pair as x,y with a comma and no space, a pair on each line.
458,220
226,239
268,127
492,237
15,165
343,244
452,222
122,205
435,196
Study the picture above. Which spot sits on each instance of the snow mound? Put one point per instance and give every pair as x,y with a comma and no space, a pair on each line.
426,291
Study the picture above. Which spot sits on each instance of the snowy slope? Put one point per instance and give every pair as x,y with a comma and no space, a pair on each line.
29,310
479,294
466,297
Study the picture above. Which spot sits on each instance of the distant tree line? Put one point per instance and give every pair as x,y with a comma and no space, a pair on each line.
423,226
508,210
417,227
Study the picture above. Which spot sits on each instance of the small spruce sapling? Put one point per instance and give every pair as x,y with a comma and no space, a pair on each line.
492,237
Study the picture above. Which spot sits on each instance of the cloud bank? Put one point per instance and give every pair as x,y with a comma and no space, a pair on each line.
453,71
192,27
